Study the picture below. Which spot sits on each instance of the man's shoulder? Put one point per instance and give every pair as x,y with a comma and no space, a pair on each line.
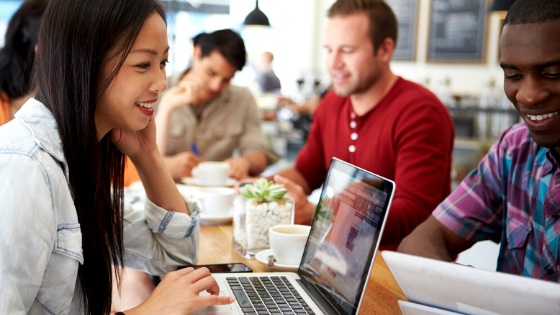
239,91
516,140
238,97
408,93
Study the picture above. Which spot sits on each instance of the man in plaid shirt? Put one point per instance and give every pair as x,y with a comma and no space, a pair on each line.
514,194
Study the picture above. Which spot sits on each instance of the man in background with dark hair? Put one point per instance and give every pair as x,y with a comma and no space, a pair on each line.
201,107
375,120
514,195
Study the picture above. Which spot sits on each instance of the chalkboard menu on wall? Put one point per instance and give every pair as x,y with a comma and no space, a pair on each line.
406,12
457,30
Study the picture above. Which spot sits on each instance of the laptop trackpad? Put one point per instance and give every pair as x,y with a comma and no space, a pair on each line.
216,309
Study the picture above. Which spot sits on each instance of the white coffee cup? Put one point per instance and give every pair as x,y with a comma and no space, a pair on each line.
211,172
287,243
215,200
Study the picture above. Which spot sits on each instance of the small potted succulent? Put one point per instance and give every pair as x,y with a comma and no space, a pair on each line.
263,190
260,206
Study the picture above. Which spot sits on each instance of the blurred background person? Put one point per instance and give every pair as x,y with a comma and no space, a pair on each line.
266,78
16,58
202,109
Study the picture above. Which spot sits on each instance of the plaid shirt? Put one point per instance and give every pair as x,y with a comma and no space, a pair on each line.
513,196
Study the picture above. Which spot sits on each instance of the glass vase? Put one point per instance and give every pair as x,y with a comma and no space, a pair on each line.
253,218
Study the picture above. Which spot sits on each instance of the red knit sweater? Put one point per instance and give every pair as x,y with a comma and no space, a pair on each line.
407,137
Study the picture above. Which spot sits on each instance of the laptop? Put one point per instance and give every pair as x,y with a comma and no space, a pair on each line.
437,287
338,257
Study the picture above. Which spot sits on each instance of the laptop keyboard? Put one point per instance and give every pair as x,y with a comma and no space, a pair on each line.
268,295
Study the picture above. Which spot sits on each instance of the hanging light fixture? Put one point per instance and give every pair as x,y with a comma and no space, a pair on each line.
256,17
501,5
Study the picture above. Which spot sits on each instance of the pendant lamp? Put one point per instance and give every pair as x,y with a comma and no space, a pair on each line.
256,17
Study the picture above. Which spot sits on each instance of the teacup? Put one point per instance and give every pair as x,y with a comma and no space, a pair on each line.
287,243
215,200
211,172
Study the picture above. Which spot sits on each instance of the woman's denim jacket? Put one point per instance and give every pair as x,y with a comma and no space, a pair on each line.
40,237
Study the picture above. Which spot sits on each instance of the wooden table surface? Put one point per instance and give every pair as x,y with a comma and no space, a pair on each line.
382,291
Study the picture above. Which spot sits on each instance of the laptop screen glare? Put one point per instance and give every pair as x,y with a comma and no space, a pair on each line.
344,235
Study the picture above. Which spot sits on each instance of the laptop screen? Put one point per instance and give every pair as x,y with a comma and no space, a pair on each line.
344,234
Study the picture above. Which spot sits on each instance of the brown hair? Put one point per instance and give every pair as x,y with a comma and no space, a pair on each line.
382,21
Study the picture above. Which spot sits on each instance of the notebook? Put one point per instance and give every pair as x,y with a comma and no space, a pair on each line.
449,287
338,257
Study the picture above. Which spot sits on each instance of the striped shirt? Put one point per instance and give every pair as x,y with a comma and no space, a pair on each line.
513,197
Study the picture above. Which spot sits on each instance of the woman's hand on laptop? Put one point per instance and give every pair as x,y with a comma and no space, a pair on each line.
178,293
303,208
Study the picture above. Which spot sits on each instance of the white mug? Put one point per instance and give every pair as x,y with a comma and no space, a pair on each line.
287,243
211,172
215,200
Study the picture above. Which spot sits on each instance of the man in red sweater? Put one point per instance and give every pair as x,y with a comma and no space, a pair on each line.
375,120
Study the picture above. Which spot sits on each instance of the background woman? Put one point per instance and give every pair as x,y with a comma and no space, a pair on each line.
16,57
100,65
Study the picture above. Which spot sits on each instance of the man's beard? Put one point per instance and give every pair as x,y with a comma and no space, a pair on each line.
358,87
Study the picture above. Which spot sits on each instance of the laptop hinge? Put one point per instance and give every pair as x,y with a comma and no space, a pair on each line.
323,303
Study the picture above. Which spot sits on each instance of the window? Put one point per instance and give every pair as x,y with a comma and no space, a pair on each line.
7,9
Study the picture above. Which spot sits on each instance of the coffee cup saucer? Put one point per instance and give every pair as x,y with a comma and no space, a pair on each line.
216,219
262,257
229,182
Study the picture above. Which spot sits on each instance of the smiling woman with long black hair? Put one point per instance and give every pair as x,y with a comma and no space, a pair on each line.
100,66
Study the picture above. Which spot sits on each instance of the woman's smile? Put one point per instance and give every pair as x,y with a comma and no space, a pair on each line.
146,107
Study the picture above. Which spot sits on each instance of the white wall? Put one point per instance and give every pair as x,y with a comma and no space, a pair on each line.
465,78
291,37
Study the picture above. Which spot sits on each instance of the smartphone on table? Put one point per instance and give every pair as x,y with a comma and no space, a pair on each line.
223,268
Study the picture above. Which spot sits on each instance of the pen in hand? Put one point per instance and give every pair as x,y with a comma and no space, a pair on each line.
195,148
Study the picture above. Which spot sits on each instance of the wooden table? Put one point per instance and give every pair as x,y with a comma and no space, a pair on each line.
382,291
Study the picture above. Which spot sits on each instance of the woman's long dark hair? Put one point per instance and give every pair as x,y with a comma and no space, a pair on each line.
77,38
16,57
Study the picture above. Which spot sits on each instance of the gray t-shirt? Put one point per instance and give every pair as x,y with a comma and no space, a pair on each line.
268,81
